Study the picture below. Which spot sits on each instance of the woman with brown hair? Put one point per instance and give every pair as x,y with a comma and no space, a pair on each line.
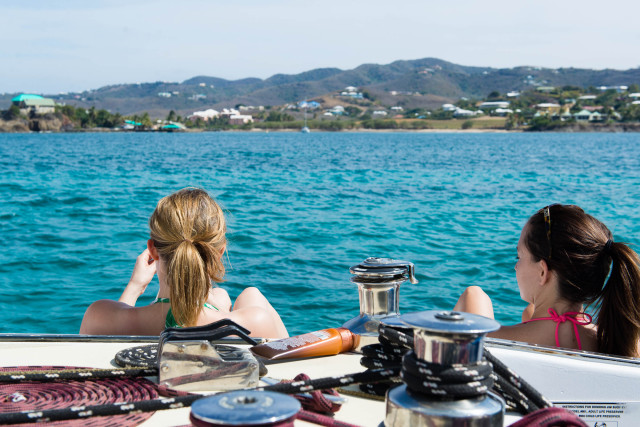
185,249
567,260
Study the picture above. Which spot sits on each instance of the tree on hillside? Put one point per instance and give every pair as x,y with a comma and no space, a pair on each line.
104,119
12,113
82,117
145,120
466,104
171,116
630,113
367,95
276,116
415,112
608,98
352,111
67,110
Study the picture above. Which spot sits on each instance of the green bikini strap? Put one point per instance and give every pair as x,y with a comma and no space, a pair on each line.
166,300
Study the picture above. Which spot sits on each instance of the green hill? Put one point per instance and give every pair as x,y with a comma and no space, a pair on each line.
426,83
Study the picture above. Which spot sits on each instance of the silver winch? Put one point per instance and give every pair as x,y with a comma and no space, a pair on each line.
445,338
378,281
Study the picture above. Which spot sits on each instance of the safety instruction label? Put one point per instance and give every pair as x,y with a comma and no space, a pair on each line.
605,414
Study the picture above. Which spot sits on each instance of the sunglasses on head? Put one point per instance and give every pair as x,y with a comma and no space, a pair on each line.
546,212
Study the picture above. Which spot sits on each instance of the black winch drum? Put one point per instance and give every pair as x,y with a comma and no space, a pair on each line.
445,338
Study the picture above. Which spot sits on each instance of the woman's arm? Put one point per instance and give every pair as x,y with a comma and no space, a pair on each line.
143,273
107,317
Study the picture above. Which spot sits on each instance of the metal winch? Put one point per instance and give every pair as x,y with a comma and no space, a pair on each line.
378,281
245,408
445,338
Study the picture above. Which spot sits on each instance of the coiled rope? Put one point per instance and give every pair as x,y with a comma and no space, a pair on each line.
454,381
181,401
59,395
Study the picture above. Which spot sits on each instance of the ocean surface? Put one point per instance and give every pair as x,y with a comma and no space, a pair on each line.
301,210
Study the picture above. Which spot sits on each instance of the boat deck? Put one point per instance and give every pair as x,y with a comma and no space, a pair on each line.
573,378
360,411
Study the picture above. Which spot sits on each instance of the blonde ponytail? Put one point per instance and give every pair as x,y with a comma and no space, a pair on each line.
188,229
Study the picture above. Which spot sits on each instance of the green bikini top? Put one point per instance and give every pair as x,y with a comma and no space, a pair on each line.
170,321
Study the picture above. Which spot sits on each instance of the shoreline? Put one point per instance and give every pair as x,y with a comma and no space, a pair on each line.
43,125
361,130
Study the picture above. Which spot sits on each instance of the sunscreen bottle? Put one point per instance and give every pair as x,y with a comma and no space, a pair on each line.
325,342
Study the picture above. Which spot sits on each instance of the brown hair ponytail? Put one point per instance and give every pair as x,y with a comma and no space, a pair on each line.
188,229
619,314
580,250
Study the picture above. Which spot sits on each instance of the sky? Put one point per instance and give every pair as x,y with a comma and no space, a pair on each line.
49,47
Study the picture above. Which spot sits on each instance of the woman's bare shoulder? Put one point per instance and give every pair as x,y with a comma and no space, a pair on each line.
544,333
107,317
526,332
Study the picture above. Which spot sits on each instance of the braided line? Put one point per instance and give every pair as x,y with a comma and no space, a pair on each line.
187,400
537,400
19,375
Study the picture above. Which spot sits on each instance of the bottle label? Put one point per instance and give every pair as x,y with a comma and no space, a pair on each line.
297,341
323,335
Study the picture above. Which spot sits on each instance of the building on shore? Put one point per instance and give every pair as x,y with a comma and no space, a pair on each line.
240,119
205,115
35,104
492,105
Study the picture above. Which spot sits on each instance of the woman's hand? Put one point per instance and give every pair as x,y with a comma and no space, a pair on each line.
143,273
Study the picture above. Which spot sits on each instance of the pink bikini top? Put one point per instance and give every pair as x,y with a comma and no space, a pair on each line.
571,316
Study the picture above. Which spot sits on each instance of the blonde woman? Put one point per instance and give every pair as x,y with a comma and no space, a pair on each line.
185,251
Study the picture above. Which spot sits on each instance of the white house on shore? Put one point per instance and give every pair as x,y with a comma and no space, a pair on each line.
502,112
459,112
229,112
588,116
34,104
492,105
205,115
240,119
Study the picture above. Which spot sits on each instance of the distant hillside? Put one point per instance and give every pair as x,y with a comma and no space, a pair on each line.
424,83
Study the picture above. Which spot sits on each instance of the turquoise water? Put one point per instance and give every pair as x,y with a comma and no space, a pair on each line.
301,209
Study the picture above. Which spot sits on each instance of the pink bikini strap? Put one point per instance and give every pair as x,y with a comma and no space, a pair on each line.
571,316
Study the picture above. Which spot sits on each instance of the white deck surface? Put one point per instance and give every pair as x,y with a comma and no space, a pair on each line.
590,383
364,412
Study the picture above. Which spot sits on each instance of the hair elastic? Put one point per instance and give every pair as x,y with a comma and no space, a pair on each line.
607,247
